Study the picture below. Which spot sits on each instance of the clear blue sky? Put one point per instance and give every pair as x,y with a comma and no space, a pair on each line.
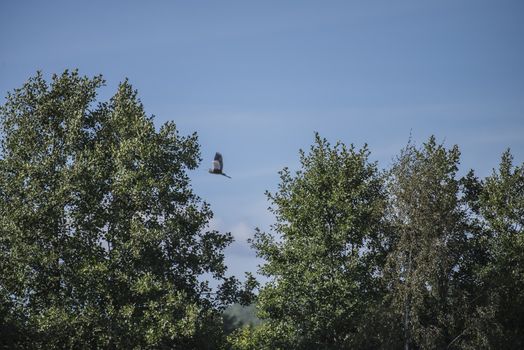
255,79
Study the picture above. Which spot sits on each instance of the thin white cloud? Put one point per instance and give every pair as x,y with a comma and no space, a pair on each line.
242,232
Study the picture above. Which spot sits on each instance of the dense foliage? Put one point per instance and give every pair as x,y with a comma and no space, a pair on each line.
324,281
103,243
426,263
416,258
102,240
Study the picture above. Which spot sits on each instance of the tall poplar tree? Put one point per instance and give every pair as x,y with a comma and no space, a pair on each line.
430,239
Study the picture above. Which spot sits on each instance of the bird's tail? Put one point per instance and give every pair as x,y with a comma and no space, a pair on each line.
226,176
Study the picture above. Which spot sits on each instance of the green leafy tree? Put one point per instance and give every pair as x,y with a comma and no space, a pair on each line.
437,267
433,236
323,255
102,240
500,204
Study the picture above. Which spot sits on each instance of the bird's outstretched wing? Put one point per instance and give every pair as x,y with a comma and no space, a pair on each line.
218,158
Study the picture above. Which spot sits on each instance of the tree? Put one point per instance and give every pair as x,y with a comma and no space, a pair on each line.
323,254
427,265
500,204
102,240
428,260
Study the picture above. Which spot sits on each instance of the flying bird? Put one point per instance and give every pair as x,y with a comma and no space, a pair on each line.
218,166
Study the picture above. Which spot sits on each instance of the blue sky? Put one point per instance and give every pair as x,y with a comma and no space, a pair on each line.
255,79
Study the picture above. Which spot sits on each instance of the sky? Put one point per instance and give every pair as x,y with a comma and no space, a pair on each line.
256,79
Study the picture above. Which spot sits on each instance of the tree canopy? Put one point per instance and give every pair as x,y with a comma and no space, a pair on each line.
104,244
102,239
416,257
323,255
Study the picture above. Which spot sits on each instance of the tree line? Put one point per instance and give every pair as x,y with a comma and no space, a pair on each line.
103,243
412,257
